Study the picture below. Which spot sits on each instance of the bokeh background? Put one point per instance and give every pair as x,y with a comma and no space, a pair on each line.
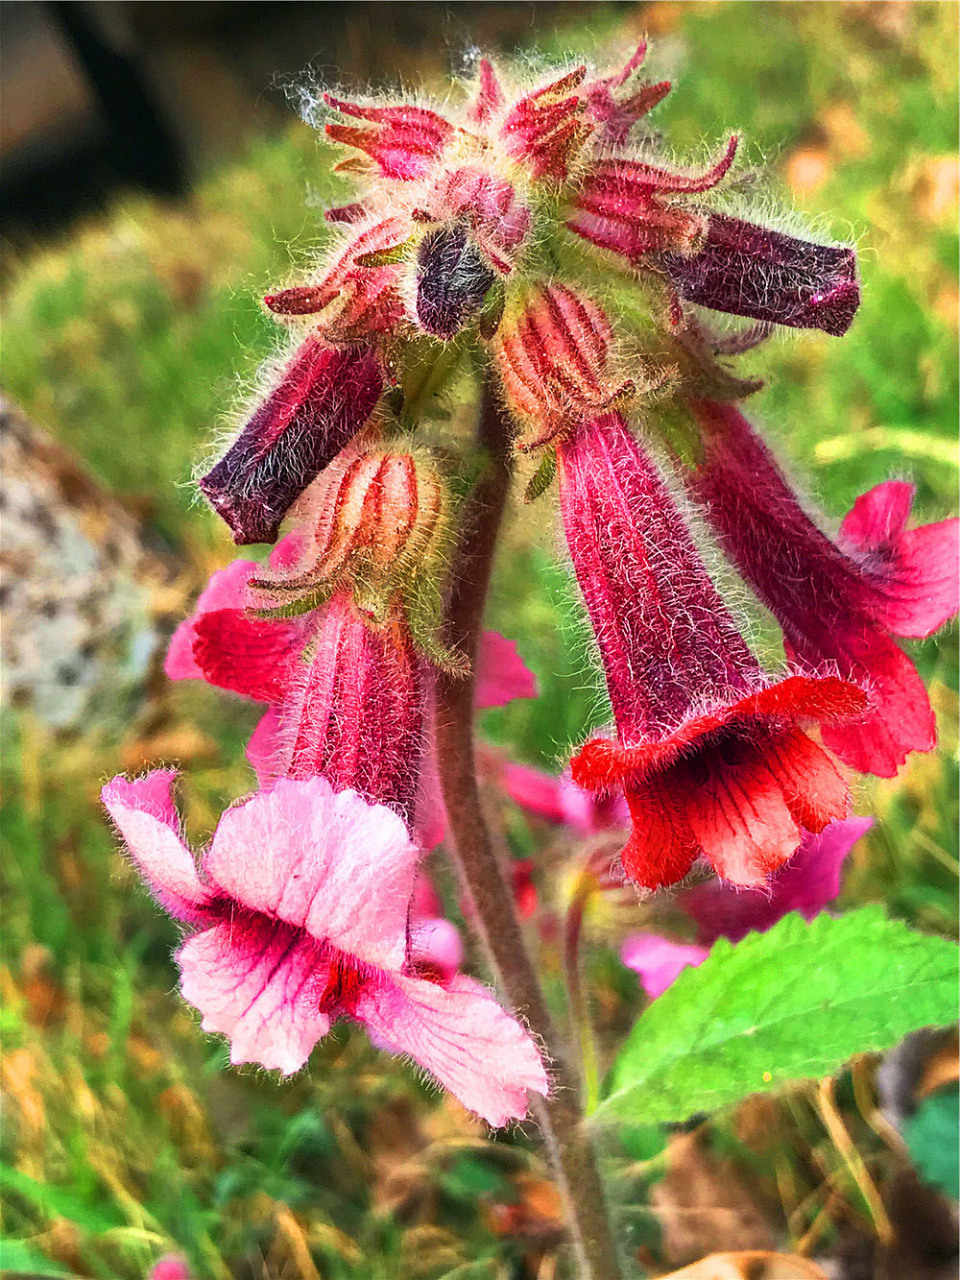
156,180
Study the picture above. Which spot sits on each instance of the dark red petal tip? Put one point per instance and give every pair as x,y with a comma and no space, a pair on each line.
325,396
747,270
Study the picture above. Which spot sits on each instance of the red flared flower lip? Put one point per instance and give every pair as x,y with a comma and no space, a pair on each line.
602,764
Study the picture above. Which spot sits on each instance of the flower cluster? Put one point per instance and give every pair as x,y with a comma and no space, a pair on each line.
480,244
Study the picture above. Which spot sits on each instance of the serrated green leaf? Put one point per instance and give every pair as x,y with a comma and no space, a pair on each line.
792,1003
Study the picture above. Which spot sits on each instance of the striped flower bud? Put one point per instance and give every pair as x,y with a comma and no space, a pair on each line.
378,521
553,354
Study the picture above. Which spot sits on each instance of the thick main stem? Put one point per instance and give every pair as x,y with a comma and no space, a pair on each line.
560,1118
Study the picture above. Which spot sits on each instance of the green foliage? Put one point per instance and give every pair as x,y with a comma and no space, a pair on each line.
794,1002
933,1136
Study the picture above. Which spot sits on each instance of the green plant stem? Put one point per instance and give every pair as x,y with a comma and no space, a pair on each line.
568,1144
584,889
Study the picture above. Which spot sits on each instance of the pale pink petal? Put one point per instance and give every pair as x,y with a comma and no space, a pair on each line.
264,746
286,553
259,983
146,818
436,943
326,862
425,901
658,960
502,674
227,589
807,883
461,1036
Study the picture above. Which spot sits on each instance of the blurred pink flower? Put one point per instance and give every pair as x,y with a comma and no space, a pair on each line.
807,884
658,960
170,1267
299,912
560,800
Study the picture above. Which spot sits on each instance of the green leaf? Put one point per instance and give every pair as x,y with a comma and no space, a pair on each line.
542,478
57,1203
933,1135
17,1257
792,1003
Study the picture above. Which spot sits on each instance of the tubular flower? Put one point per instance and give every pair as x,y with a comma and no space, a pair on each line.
709,752
324,396
298,918
839,603
347,696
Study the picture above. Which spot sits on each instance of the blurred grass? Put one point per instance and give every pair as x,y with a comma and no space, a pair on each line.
129,341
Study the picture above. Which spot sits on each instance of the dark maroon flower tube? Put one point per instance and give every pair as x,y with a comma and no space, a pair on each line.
324,397
839,603
746,270
709,752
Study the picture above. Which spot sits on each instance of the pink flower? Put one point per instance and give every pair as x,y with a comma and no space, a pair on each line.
501,674
323,398
709,754
347,699
170,1267
561,801
299,918
839,603
808,882
658,960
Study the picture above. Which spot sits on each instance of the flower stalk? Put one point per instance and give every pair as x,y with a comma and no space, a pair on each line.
560,1116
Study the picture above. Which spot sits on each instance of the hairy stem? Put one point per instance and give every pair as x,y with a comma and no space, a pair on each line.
569,1146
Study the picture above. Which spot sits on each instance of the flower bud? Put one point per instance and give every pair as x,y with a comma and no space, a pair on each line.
324,396
553,354
452,280
378,520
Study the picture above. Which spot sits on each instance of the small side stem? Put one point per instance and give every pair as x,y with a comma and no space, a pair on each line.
584,889
570,1149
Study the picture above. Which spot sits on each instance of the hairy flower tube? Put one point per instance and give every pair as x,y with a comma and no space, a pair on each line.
709,752
324,396
840,603
298,917
346,696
